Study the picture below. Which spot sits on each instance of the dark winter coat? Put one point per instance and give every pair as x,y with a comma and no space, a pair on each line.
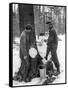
29,70
52,47
52,40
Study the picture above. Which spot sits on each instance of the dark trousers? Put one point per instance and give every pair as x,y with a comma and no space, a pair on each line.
53,49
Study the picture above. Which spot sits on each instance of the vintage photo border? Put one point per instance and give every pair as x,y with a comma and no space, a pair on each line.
11,42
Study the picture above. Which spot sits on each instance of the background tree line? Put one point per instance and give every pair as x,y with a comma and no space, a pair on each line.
56,14
42,13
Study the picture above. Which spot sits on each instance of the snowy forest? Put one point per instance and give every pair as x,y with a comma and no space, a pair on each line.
37,16
42,14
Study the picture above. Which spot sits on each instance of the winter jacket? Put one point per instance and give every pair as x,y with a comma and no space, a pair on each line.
52,40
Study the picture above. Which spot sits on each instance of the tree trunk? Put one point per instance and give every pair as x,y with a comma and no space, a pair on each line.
26,15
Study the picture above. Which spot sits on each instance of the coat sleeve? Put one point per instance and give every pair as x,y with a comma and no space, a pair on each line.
23,44
52,37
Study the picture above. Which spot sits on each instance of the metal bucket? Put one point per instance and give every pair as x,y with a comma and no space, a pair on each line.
42,71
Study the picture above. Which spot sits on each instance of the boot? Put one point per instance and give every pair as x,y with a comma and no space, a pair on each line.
57,72
18,78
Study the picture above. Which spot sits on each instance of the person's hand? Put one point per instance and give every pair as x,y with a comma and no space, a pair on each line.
25,57
44,61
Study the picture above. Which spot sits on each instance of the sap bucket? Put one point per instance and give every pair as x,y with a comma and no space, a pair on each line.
42,69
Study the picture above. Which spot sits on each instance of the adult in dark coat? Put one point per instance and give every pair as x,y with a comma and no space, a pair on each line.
29,66
52,44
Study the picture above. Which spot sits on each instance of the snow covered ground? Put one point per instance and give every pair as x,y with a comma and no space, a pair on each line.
42,50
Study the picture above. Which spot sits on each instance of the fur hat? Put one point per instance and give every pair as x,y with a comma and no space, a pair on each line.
28,26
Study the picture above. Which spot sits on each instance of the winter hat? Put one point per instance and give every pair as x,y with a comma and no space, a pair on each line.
28,27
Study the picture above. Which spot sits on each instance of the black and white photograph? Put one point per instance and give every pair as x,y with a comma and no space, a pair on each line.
38,44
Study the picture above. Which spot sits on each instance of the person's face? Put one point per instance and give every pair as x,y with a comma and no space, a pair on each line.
50,26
